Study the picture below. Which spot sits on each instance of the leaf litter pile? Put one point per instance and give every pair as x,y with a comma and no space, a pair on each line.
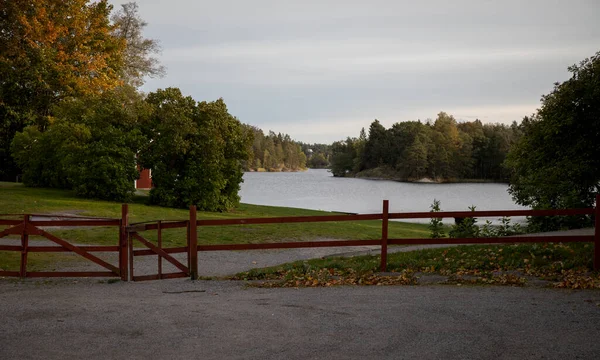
552,264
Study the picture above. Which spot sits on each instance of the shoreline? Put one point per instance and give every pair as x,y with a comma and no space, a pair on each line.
431,181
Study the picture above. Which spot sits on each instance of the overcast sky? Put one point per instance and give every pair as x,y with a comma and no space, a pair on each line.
321,70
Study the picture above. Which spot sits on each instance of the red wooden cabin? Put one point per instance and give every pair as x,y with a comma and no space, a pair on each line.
145,179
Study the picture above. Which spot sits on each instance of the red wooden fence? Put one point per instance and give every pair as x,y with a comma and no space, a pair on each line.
130,233
159,250
28,227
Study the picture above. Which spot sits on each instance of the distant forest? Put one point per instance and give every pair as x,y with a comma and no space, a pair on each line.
278,152
441,150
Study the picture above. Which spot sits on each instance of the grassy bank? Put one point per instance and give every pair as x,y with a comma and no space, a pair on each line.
560,265
17,199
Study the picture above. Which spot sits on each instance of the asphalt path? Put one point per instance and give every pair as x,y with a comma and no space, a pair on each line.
183,319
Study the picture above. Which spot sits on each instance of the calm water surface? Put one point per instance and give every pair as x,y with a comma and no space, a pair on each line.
317,189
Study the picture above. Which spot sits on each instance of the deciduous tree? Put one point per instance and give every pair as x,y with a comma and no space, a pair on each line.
51,50
138,59
556,164
90,147
195,151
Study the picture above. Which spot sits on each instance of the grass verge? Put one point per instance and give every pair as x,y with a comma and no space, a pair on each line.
561,265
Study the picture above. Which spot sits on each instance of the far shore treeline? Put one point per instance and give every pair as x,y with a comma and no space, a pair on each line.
440,150
72,116
278,152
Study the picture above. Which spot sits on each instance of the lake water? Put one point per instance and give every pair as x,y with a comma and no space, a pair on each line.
318,190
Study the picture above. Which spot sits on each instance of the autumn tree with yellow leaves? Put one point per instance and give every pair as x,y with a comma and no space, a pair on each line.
51,50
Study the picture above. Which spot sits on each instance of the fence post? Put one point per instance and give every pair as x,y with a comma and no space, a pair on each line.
384,234
24,246
123,247
597,235
159,245
193,244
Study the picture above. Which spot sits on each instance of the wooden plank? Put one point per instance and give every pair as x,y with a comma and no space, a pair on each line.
11,248
174,275
166,225
500,240
37,274
289,219
10,273
54,216
158,277
88,248
159,245
597,235
384,235
145,277
136,227
123,256
81,252
10,222
24,245
160,252
130,245
15,230
491,213
147,252
50,223
288,245
193,244
32,230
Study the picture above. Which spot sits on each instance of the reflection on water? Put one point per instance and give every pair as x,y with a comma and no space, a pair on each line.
317,189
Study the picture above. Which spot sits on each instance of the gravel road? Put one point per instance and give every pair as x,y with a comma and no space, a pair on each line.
181,319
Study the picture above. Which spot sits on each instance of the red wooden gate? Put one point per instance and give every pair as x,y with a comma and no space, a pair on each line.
31,225
158,249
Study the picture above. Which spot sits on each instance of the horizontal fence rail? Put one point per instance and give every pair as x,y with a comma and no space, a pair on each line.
498,240
289,245
289,220
128,233
491,213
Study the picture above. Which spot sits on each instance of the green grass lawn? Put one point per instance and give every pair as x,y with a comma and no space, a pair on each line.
18,199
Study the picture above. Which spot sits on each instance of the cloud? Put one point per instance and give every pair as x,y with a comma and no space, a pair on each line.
324,69
313,61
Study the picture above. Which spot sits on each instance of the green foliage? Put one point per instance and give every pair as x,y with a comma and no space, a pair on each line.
377,146
317,155
442,150
504,229
342,160
436,225
39,155
195,151
90,147
468,228
556,164
274,152
51,50
465,228
318,161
